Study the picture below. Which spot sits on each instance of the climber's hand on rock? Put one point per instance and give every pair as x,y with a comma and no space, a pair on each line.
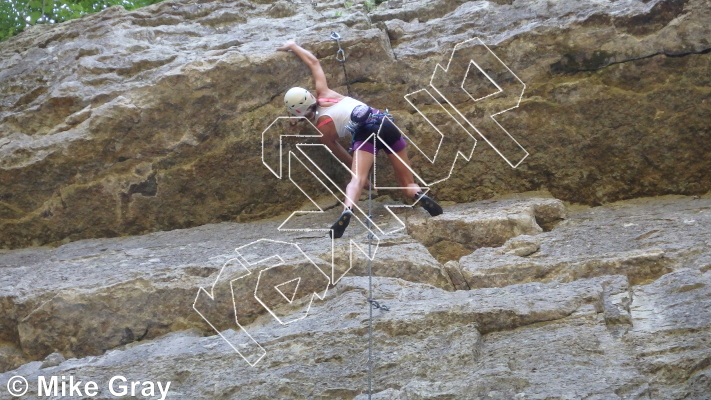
286,46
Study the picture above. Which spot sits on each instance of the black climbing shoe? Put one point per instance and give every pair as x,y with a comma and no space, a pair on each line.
429,204
340,226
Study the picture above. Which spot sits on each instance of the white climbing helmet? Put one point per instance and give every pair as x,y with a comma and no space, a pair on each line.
298,100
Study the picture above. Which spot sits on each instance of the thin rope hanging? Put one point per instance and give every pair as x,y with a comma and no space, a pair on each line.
372,303
341,58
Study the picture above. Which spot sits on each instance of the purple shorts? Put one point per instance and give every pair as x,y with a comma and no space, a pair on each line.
368,146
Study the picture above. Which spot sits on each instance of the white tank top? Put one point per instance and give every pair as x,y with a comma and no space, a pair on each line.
340,113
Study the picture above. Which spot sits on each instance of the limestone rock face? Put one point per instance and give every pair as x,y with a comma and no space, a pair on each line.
491,225
608,302
132,122
91,296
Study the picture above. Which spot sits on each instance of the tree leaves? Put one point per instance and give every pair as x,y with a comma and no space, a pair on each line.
17,15
34,16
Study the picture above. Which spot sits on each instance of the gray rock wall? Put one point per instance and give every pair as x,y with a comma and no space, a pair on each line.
608,302
132,122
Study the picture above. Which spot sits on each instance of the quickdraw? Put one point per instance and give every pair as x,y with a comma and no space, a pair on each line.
375,304
341,58
340,54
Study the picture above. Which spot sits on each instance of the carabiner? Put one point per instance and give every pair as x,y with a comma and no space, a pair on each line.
335,36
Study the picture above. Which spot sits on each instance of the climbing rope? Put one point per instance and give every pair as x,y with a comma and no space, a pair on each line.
371,302
341,58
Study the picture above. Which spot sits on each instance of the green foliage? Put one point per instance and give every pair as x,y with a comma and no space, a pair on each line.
369,5
17,15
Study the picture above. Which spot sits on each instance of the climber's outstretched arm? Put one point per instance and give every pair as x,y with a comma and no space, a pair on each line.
312,62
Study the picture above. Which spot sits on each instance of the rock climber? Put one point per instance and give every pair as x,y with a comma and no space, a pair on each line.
336,115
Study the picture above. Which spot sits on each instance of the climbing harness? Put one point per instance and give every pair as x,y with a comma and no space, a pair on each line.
341,58
360,120
373,117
